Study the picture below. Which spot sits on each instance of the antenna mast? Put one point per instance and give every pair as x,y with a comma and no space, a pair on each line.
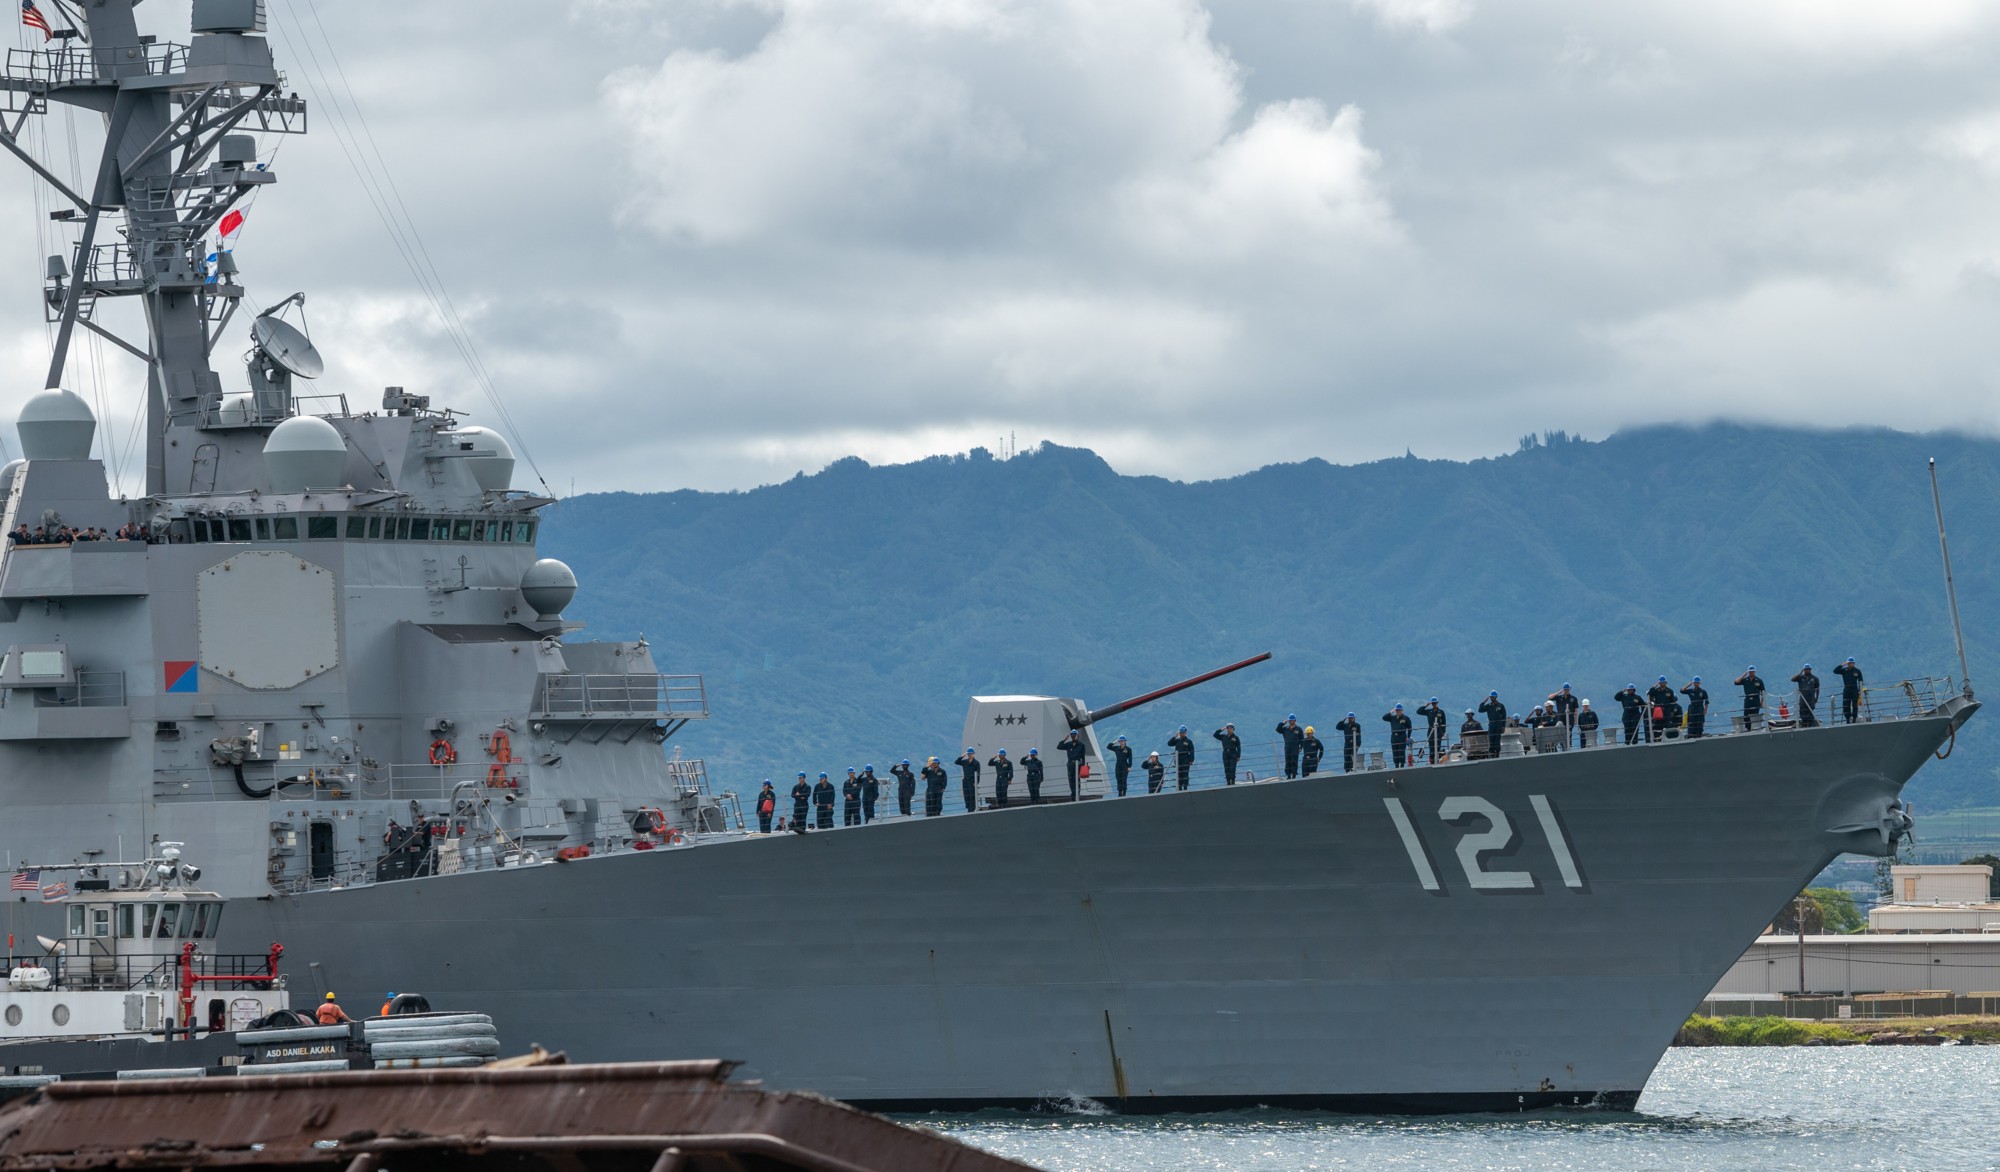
1950,590
180,155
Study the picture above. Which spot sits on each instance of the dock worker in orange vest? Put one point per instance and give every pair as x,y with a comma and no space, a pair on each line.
330,1012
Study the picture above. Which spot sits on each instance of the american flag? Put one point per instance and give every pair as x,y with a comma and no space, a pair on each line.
55,893
33,18
26,881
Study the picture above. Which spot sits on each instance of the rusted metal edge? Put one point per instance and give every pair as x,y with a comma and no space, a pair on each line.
704,1070
367,1154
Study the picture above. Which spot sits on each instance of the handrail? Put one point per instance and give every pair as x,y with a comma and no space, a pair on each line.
585,694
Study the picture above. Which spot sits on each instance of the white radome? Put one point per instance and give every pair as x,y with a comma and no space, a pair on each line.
56,425
304,452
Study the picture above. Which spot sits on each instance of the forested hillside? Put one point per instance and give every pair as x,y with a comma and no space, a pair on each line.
847,615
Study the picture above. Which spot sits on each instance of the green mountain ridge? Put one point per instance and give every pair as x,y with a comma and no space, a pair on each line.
846,616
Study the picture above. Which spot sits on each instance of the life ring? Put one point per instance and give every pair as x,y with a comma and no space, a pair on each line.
672,837
442,753
656,818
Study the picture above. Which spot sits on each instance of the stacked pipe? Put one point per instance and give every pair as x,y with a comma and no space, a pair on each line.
431,1040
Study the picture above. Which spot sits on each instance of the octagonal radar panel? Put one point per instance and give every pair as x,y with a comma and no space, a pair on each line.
287,346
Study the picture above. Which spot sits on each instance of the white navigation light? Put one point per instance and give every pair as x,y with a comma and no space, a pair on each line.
548,586
304,452
56,425
491,458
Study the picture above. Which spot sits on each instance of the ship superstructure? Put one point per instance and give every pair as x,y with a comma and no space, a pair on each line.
335,619
323,653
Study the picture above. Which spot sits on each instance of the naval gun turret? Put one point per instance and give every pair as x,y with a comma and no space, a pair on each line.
1020,723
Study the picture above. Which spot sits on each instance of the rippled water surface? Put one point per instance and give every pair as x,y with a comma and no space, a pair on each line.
1858,1107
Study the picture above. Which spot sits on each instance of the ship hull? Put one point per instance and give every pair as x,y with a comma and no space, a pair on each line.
1379,941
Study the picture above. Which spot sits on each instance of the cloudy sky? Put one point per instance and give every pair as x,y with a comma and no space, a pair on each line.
710,243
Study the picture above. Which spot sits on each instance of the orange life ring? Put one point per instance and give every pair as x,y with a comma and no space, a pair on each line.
673,837
442,753
658,818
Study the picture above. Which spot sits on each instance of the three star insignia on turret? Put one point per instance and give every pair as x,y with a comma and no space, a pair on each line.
1022,719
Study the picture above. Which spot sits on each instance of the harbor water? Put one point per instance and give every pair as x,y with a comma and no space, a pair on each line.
1773,1108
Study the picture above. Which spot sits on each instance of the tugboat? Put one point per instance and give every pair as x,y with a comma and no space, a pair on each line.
132,990
132,984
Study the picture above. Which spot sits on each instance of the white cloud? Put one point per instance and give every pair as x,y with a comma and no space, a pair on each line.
1294,179
716,241
1433,16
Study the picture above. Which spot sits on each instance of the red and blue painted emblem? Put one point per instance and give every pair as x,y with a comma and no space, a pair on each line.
183,675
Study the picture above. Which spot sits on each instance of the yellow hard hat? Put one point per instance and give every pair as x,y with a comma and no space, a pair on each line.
1309,730
329,996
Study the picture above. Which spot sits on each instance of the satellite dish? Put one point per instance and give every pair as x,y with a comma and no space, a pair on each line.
48,945
288,347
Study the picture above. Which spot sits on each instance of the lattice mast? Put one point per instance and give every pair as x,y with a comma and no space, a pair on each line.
177,158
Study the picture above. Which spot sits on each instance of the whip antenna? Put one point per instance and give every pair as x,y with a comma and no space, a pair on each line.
1950,590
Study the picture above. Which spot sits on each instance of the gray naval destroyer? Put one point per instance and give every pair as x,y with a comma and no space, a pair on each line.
338,629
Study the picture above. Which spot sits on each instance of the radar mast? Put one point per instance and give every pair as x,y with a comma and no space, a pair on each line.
178,159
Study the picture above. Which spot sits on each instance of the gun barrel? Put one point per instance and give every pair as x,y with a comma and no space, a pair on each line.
1105,713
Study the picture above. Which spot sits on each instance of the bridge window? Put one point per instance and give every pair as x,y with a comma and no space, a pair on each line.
479,531
126,917
100,920
200,920
357,527
322,528
147,915
170,918
285,528
77,920
420,528
239,528
525,532
263,528
461,530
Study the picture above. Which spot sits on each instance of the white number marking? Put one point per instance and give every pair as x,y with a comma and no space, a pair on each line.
1558,843
1401,817
1498,836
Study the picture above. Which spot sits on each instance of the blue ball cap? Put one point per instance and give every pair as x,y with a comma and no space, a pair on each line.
1434,699
822,776
1000,753
1292,716
968,748
906,760
870,768
1663,679
1184,728
1034,752
1850,659
1808,667
1753,667
1697,679
1350,714
1121,740
1493,695
1565,683
802,773
1399,707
